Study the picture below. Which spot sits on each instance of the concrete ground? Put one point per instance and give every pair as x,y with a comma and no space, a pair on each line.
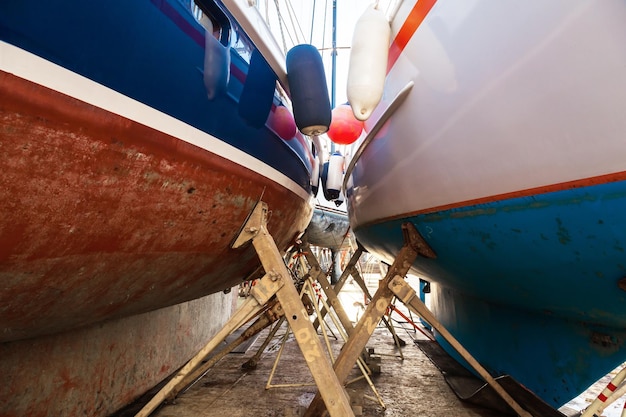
408,386
412,386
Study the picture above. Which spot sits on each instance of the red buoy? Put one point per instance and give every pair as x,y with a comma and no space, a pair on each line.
344,127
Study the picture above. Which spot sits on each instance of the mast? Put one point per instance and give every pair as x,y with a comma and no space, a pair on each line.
333,67
334,57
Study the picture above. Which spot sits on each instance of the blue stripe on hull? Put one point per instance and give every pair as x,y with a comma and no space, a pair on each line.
550,257
150,53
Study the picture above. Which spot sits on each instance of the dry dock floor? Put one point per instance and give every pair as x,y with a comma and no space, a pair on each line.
411,386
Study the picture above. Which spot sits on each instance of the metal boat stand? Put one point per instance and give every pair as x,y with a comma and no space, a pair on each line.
332,307
276,282
414,245
349,270
393,285
317,274
407,295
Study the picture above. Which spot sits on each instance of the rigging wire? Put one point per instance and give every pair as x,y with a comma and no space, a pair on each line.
280,25
312,22
324,27
295,22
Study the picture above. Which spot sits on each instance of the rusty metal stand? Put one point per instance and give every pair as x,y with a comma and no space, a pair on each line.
332,292
252,363
349,270
272,314
276,282
356,276
317,274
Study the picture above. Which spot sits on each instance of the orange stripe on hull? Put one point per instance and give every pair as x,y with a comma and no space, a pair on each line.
412,22
585,182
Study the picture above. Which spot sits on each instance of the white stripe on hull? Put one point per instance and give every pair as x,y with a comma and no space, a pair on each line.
35,69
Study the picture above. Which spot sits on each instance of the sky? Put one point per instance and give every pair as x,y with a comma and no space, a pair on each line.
318,14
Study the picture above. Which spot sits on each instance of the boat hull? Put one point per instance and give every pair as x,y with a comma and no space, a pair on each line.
124,179
99,369
329,228
117,199
104,217
506,156
524,286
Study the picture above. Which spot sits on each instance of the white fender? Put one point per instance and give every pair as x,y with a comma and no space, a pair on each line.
368,62
334,179
342,197
321,151
315,175
319,162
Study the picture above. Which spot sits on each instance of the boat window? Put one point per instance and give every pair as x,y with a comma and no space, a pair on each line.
212,19
242,45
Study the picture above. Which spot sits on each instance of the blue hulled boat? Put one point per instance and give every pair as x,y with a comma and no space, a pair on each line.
136,137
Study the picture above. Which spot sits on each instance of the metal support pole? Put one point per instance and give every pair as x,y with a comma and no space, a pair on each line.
365,370
361,283
247,310
350,269
253,361
276,282
599,402
261,323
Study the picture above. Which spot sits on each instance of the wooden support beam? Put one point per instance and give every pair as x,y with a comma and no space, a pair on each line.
331,390
331,295
376,309
407,295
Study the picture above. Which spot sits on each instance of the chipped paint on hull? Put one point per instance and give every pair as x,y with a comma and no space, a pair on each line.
529,285
329,228
103,217
122,186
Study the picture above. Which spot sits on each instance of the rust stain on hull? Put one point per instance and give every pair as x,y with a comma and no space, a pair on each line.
102,217
96,370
